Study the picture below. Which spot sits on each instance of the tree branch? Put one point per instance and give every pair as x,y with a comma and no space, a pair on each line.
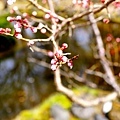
110,79
38,6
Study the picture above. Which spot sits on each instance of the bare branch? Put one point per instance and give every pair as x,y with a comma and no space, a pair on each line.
34,2
82,14
82,102
96,73
110,79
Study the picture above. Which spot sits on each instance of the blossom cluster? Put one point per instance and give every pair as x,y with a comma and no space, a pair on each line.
117,4
10,2
20,22
5,30
60,58
83,3
50,16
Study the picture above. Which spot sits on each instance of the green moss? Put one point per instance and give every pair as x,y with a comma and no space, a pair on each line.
3,21
84,89
42,111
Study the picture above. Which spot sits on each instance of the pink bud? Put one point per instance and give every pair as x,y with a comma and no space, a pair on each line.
17,25
109,37
53,61
2,30
25,21
43,30
12,11
15,8
79,2
105,20
117,40
53,67
19,36
10,2
40,26
34,29
8,30
117,4
18,17
47,16
10,19
18,30
70,64
64,46
74,1
30,43
64,59
34,13
56,20
102,1
25,14
59,54
44,1
50,53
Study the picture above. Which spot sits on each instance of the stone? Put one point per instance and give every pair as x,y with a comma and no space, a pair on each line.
59,113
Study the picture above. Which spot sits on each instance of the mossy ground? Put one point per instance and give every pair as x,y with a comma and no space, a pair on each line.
42,111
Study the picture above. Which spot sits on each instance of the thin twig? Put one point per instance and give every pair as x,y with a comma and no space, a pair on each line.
110,79
34,2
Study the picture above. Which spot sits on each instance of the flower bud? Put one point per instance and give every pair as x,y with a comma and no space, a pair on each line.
18,17
18,30
34,29
53,61
105,20
50,53
43,30
47,16
70,64
64,46
64,59
10,19
53,67
19,36
30,43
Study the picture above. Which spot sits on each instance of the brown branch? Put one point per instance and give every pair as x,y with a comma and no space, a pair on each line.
37,49
76,77
57,74
34,40
110,79
35,3
95,10
77,16
96,73
82,102
70,93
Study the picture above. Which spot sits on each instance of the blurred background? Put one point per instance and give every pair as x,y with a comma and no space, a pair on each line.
25,84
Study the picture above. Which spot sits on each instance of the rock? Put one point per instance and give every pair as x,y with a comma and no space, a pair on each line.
59,113
81,112
107,107
100,117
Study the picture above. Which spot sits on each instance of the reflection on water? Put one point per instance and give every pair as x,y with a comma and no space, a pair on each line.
22,84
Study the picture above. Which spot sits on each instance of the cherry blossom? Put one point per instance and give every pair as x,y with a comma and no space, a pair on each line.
60,58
